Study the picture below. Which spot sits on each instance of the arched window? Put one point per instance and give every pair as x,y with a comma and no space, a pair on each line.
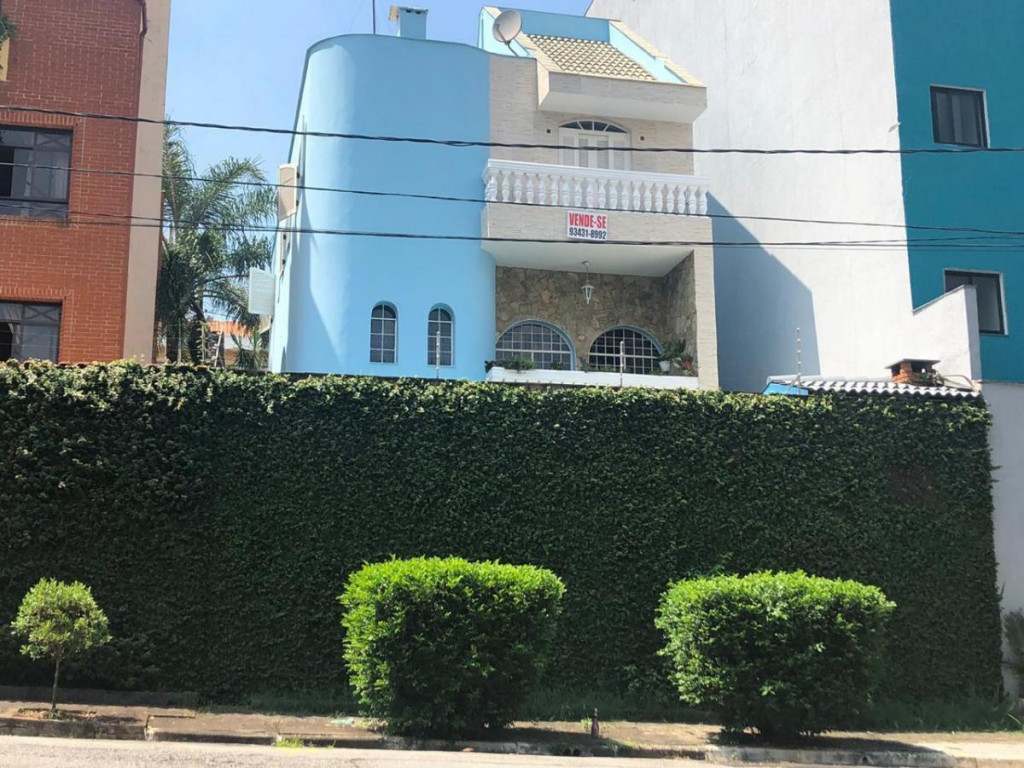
383,333
532,340
440,336
641,349
589,140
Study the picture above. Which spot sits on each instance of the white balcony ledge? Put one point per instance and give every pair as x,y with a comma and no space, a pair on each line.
511,181
590,379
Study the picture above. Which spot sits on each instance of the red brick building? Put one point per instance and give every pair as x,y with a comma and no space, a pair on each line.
77,284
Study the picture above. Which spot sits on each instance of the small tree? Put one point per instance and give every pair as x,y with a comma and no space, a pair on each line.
58,620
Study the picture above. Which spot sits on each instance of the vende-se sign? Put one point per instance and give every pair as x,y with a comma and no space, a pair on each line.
587,226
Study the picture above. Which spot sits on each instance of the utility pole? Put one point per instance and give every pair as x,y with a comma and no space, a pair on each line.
373,10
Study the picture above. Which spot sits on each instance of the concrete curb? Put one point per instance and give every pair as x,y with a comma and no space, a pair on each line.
260,738
728,755
713,754
67,729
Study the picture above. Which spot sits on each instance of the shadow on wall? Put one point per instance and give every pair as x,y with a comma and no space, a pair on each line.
759,306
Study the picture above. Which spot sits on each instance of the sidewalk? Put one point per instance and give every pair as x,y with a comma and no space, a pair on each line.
917,750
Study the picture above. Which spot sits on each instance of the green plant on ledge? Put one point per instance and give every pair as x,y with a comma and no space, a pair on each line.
676,357
515,364
8,29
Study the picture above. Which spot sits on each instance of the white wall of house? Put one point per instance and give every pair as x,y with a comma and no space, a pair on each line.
819,74
795,74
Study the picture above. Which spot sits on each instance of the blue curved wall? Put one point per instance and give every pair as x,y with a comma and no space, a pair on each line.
388,86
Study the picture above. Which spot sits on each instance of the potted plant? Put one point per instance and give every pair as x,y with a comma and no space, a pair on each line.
675,356
514,364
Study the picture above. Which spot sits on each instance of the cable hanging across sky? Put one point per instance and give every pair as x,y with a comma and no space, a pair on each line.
509,145
924,244
480,200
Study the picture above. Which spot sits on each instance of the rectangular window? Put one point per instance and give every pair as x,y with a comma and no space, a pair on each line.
989,288
958,117
34,172
29,331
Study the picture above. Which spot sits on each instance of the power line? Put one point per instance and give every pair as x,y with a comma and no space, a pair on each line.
506,145
937,243
479,200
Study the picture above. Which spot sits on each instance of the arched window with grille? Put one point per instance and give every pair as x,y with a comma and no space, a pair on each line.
641,350
587,145
545,345
440,337
383,333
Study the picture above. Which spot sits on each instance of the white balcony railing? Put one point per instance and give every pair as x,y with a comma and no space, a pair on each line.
599,188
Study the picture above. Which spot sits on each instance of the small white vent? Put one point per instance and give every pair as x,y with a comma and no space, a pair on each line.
287,191
261,292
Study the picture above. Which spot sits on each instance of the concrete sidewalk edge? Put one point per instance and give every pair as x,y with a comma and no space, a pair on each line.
712,754
186,729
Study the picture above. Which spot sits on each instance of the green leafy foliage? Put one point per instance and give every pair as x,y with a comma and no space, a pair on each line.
787,653
211,241
8,29
446,647
58,621
219,514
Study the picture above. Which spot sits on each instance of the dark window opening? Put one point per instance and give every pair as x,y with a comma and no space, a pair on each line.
440,333
958,117
383,334
989,290
545,346
34,172
635,350
29,331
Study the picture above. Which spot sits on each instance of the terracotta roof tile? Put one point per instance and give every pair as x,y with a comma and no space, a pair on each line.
590,57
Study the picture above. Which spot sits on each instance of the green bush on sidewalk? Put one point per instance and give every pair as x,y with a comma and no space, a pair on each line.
447,647
785,653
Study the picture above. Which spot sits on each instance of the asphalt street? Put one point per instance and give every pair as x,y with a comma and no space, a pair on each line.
21,752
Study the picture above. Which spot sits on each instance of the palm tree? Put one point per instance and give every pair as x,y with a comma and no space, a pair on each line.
211,239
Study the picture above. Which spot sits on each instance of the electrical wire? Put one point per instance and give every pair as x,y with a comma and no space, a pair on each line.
502,144
152,222
479,200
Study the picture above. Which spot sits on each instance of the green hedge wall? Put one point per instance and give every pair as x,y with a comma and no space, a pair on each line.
217,516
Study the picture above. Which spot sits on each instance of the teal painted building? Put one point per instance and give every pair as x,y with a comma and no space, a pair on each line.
958,83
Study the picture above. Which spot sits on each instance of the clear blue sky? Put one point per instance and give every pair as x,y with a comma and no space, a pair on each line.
240,61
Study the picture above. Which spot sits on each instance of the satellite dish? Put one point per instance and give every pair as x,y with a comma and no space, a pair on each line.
507,27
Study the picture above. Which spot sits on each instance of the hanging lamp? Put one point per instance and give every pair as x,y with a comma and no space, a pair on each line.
588,289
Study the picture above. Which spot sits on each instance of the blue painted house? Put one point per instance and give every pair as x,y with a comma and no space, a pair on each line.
399,258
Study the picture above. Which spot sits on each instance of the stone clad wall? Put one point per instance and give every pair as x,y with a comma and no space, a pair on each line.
665,306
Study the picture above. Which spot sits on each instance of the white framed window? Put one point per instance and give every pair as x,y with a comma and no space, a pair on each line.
988,287
642,351
542,343
587,145
959,116
440,337
383,333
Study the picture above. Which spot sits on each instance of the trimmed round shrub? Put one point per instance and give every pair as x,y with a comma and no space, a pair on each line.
785,653
447,647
